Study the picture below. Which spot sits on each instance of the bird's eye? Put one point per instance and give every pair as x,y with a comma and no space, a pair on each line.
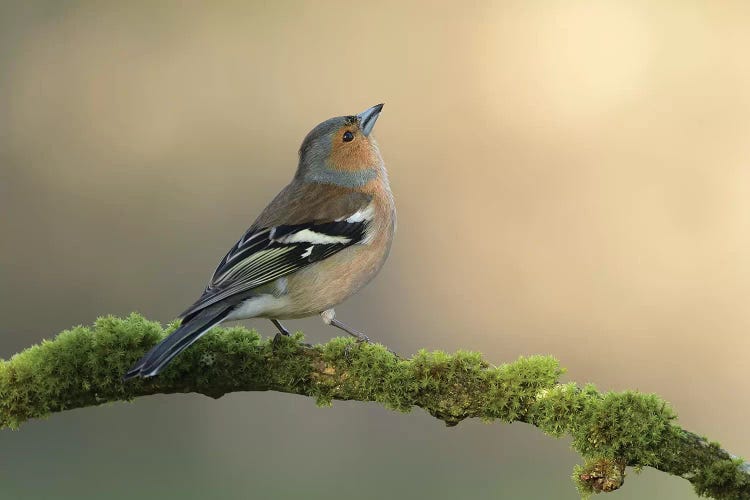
348,136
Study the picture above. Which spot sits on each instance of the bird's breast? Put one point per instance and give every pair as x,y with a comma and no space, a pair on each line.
327,283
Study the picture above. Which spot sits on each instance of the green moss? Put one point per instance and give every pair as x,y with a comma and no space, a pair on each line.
627,425
722,479
83,366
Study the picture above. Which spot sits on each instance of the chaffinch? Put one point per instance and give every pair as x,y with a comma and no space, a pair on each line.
322,238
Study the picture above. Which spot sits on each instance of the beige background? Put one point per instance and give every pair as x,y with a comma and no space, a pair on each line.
572,178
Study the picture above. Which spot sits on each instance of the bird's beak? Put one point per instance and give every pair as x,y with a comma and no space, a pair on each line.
368,117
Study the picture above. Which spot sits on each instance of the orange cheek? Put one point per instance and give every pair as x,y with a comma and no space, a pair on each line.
351,156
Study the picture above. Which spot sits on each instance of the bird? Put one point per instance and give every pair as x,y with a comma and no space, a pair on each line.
321,239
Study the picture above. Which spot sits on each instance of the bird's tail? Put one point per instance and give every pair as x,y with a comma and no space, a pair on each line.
161,354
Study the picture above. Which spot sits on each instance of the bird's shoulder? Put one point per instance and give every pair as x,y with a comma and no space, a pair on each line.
301,203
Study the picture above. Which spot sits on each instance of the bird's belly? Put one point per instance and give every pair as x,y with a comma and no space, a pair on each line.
329,282
265,306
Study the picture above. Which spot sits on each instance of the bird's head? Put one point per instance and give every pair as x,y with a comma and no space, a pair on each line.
342,151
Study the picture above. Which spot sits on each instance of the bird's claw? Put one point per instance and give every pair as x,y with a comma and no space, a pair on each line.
277,339
363,339
348,349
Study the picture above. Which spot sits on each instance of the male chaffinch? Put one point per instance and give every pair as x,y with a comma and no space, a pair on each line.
322,238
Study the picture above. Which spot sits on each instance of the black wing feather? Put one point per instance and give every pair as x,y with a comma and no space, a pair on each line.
265,254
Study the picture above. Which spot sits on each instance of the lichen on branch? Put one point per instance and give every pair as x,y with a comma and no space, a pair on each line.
83,367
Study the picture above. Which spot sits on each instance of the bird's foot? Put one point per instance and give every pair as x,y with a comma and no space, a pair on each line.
363,339
349,347
283,332
278,339
329,318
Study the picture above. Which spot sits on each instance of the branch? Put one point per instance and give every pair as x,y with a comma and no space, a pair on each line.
83,367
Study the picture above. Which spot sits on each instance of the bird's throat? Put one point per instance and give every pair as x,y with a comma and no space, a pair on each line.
343,178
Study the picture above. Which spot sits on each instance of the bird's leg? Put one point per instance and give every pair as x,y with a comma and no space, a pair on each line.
329,318
282,329
283,332
361,337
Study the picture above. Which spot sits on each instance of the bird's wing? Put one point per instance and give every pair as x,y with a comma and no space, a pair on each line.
303,225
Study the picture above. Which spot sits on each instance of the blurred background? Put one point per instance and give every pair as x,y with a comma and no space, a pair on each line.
572,178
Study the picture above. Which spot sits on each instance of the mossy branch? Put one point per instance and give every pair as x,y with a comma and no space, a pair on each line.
84,366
